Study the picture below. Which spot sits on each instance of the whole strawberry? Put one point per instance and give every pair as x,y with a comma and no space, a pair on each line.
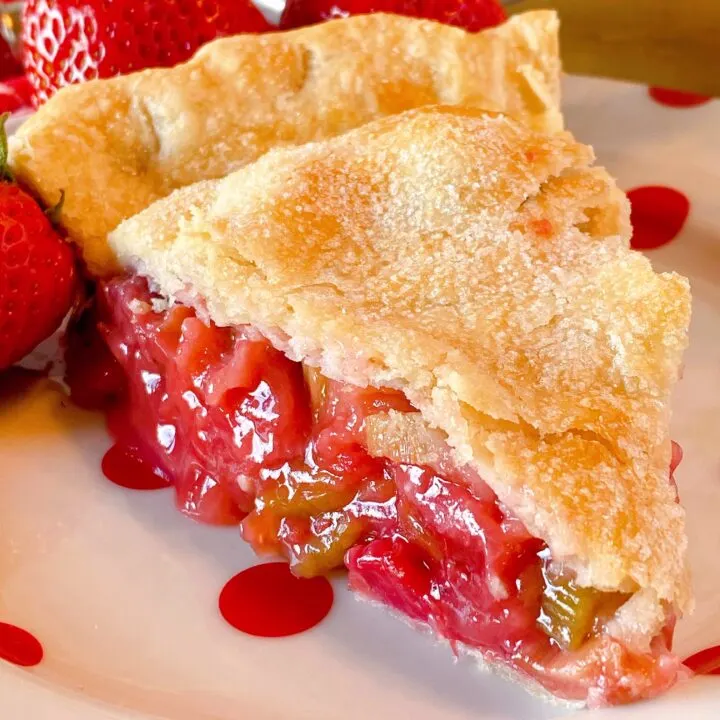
70,41
472,15
37,269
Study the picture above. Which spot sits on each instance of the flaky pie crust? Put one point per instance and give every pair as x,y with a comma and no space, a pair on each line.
484,269
114,146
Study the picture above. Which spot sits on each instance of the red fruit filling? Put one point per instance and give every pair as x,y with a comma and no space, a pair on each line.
246,435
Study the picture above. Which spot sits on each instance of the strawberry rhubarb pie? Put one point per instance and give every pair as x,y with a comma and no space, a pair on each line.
421,350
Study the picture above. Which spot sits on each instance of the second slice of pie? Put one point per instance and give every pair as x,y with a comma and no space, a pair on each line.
424,350
114,146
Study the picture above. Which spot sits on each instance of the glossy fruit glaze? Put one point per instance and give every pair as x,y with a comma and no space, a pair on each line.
247,436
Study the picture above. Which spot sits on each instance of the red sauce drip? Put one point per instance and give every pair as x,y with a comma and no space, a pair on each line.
269,601
19,647
705,662
122,466
677,98
658,215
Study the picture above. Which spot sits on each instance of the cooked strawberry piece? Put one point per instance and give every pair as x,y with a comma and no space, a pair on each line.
339,434
397,571
199,347
201,496
463,526
471,563
472,15
243,368
169,332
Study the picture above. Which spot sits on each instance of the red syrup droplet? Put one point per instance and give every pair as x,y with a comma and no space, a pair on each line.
677,456
123,466
658,215
677,98
705,662
675,460
19,647
269,601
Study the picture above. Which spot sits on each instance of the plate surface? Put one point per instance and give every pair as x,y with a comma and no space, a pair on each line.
122,590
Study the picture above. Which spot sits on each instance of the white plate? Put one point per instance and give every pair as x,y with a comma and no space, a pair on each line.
122,590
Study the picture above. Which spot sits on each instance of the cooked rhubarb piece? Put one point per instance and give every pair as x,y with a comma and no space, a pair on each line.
569,613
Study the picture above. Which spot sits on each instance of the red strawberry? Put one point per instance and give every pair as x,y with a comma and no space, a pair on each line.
9,66
37,270
69,41
14,94
473,15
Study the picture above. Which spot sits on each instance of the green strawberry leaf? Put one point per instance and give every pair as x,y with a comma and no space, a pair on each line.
53,213
5,173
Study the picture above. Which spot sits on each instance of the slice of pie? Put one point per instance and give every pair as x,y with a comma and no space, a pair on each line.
424,350
115,146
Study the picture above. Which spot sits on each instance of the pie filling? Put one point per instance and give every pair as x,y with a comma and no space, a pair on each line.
317,471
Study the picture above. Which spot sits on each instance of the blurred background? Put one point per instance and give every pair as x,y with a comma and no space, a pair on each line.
672,43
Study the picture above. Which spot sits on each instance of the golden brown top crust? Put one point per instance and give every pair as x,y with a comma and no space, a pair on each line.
117,145
484,269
